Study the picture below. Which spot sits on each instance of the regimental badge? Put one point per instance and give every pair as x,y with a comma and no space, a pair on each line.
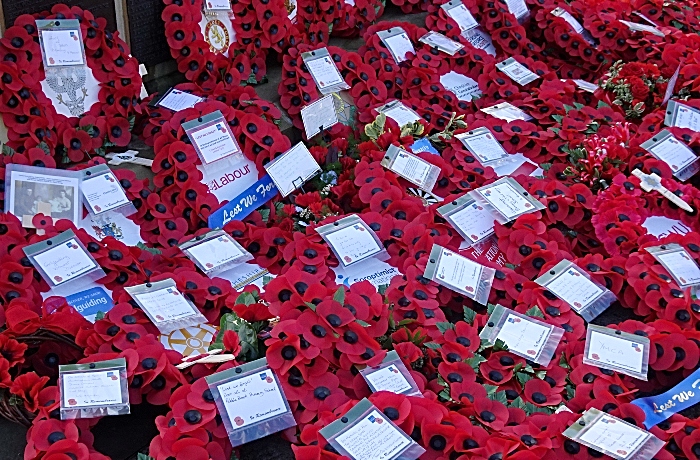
216,34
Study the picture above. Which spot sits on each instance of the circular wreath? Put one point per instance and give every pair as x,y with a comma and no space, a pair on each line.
30,116
258,27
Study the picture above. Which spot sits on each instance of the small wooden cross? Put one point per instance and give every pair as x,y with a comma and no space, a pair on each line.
649,182
128,157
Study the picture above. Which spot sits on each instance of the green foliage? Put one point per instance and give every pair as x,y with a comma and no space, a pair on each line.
444,326
469,315
534,312
339,295
100,315
375,129
247,333
143,247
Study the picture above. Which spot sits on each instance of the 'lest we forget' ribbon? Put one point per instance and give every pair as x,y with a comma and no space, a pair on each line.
660,407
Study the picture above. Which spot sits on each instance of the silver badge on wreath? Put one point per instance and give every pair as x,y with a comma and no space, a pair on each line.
69,85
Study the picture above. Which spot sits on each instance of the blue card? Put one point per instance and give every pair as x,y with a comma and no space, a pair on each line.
88,303
423,145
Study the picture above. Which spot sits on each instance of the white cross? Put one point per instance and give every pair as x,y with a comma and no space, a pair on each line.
128,157
649,182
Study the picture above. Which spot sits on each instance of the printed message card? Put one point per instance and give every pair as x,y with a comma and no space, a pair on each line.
211,137
62,47
353,243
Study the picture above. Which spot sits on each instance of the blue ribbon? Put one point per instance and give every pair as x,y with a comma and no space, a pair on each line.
244,204
660,407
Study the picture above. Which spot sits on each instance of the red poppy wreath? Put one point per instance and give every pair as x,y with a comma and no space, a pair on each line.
209,45
68,123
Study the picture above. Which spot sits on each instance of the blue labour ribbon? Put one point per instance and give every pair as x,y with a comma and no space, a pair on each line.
660,407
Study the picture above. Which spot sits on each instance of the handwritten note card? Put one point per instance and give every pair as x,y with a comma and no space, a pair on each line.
614,436
292,169
319,115
85,389
414,169
214,141
252,399
353,243
681,266
165,305
324,72
674,153
215,252
65,262
458,272
373,438
399,45
388,379
463,17
63,47
474,222
484,147
617,352
527,338
687,117
104,193
480,40
575,289
506,200
177,100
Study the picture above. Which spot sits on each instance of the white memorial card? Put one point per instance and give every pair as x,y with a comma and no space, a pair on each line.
463,17
85,389
464,87
373,438
612,435
401,114
575,289
324,72
483,146
681,266
608,350
353,243
441,42
104,193
399,45
214,253
687,117
319,115
414,169
517,8
480,40
506,199
65,262
473,221
252,399
455,271
62,47
522,336
290,170
507,112
388,379
517,72
674,153
213,141
164,305
177,100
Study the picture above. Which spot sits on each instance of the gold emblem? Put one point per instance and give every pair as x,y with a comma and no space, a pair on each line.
216,34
